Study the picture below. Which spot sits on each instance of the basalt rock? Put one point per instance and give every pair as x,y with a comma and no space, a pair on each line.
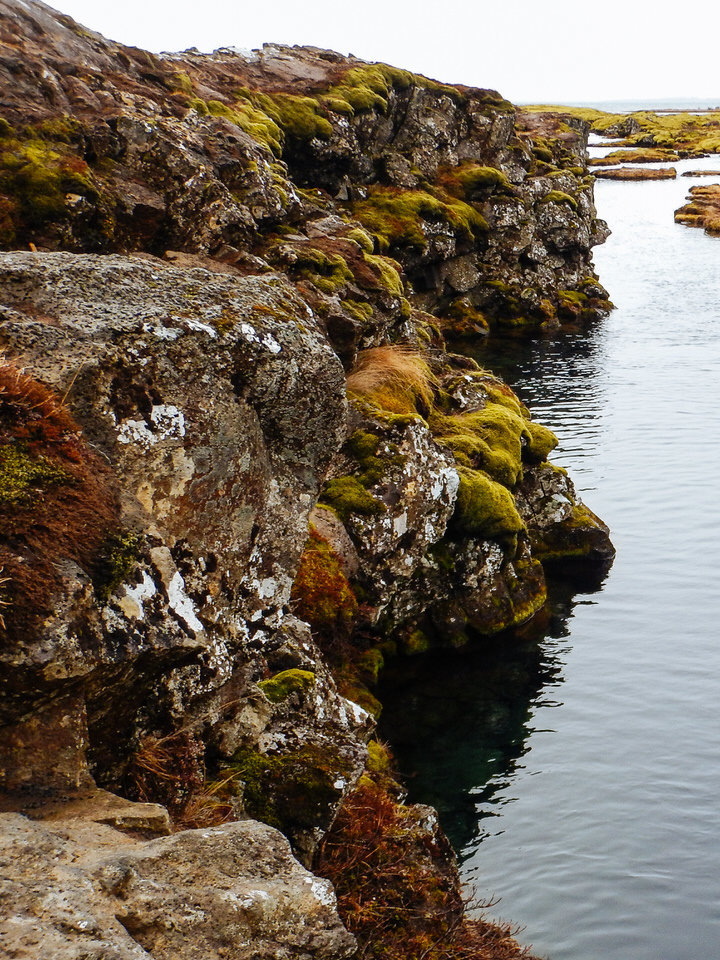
238,465
273,157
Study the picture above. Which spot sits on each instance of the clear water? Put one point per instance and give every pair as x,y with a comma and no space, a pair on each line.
579,775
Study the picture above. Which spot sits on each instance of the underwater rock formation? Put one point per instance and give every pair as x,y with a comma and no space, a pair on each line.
239,466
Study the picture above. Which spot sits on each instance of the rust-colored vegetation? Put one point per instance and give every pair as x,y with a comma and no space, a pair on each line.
323,596
396,892
56,499
171,770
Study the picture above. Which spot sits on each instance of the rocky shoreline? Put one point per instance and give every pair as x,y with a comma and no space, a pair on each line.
241,465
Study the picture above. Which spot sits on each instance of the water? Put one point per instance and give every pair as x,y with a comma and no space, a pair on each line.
579,776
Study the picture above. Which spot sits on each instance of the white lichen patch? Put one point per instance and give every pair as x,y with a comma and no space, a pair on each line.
166,422
322,890
137,432
181,603
199,327
131,603
266,339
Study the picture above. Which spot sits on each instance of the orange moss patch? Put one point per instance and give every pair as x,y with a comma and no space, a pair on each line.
57,500
322,593
395,378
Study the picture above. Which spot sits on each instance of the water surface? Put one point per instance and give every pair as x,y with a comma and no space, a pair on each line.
579,776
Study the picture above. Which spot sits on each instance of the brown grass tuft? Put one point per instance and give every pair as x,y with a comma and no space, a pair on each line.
396,378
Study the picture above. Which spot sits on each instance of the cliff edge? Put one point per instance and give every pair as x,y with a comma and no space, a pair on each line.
240,465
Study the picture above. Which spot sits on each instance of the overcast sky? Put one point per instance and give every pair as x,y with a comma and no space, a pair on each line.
557,51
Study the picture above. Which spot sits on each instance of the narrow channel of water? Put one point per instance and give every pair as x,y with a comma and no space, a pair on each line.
579,776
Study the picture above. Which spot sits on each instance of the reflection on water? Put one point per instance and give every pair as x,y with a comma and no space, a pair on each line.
489,691
580,778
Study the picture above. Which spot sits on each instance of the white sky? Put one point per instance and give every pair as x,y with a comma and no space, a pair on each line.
556,51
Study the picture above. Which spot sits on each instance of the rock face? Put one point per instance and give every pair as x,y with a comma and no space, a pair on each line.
77,888
239,465
108,148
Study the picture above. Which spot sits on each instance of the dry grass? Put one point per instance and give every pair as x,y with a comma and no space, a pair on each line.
171,770
39,416
397,378
397,888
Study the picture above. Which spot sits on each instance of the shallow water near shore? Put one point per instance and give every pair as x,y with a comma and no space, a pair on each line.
579,776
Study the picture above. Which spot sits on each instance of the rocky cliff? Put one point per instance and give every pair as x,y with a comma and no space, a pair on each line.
239,466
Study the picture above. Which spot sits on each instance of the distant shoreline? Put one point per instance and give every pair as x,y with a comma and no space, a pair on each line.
680,105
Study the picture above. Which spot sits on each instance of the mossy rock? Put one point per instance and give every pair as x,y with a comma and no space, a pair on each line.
291,791
558,196
485,508
395,217
282,685
321,592
35,178
348,497
116,558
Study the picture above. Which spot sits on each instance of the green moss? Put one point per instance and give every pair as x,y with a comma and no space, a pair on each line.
463,319
379,759
24,477
329,272
348,497
470,180
485,508
362,312
116,558
179,82
367,88
369,665
491,439
58,129
300,118
542,442
199,106
282,685
396,216
5,129
415,643
362,238
557,196
37,177
388,272
253,121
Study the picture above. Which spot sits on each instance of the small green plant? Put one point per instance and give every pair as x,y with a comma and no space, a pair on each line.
117,556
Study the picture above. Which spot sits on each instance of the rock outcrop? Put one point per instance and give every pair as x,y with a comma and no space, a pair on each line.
702,209
633,173
239,465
